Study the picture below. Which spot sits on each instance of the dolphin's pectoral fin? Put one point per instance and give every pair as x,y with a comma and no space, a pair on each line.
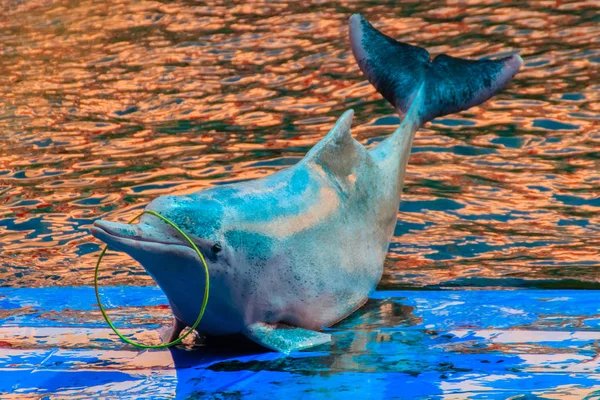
172,332
284,338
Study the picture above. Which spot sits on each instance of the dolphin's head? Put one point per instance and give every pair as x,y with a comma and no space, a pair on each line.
168,257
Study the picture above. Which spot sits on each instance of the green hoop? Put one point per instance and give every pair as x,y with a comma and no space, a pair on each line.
204,301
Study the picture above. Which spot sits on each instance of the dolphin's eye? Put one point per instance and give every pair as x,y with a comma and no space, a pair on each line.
216,248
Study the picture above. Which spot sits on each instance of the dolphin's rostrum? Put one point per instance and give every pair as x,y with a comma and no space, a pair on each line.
299,250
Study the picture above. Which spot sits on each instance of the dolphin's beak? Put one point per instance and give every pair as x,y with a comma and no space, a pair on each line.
114,229
116,235
145,235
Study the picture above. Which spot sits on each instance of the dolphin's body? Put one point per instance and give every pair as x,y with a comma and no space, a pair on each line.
297,251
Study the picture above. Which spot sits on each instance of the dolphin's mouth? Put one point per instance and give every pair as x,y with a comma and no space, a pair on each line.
128,237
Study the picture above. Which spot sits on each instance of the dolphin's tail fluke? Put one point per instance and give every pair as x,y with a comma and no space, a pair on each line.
401,72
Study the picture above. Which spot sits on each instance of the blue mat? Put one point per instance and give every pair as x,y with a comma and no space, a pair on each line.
402,344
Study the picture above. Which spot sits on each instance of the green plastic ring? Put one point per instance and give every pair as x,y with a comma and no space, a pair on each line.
204,302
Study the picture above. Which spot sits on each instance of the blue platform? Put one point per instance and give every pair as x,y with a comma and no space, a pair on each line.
402,344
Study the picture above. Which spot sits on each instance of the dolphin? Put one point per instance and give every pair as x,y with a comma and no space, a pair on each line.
295,252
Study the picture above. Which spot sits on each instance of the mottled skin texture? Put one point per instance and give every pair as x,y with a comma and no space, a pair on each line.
305,246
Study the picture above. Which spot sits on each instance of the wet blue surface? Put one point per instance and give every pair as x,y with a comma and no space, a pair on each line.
402,344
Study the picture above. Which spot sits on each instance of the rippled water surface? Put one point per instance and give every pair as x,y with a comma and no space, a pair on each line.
106,105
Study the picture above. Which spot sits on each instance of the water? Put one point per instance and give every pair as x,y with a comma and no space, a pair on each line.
107,105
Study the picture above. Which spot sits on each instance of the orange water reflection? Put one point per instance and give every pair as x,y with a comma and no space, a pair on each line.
106,105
